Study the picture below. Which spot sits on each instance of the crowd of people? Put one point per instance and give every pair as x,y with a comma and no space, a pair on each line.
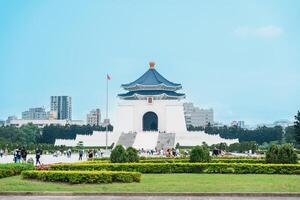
20,155
90,153
170,152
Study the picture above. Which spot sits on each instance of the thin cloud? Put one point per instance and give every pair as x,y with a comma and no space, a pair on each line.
269,31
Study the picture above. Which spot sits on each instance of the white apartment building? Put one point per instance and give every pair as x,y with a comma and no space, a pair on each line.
34,113
62,105
195,116
93,118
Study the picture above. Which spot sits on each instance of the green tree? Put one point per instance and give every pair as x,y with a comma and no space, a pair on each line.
118,155
199,154
287,154
31,133
289,136
272,154
281,154
132,154
297,128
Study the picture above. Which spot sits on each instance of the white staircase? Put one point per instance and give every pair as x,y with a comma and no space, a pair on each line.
127,139
146,140
165,141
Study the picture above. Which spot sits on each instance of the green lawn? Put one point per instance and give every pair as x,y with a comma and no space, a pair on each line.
169,183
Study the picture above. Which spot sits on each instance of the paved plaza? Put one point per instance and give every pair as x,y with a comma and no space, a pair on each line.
46,159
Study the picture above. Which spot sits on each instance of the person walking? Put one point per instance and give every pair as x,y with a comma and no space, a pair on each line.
24,154
1,153
17,155
38,154
90,154
80,154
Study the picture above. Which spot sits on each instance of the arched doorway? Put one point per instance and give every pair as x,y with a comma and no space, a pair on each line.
150,122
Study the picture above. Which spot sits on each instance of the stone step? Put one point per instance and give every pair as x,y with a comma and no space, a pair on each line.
126,139
165,141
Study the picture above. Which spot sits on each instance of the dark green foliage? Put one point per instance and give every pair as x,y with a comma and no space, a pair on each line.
272,154
163,168
132,154
259,135
76,177
30,135
289,136
25,135
199,154
281,154
297,128
287,154
52,132
118,155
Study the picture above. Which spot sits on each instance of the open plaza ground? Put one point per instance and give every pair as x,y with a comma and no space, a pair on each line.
168,183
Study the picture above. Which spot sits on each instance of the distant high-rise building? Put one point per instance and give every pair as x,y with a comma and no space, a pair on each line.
195,116
94,117
34,113
2,123
10,118
62,105
241,124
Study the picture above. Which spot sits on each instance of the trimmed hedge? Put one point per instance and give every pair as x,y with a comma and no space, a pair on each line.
76,177
235,168
7,170
214,160
186,160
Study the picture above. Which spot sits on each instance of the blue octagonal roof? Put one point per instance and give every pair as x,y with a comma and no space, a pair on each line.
151,78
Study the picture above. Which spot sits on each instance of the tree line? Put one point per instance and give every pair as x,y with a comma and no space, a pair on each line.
260,135
30,135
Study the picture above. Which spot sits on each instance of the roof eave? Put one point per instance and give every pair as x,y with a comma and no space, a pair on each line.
175,87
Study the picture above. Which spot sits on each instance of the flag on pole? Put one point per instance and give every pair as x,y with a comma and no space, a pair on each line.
108,77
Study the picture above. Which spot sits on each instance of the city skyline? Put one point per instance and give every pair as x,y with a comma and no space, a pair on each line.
245,68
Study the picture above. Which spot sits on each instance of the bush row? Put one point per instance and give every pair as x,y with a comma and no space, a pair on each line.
6,173
214,160
7,170
186,160
236,168
76,177
105,159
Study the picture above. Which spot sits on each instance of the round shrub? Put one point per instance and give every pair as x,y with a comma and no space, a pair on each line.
132,154
284,154
199,154
287,154
272,154
118,155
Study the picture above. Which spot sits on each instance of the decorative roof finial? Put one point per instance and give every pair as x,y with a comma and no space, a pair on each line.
151,64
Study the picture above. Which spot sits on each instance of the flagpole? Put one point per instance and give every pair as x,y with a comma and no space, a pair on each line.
106,132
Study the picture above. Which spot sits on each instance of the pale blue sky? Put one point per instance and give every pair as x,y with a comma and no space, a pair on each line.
241,58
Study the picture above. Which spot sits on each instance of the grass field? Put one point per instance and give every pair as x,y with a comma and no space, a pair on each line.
169,183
